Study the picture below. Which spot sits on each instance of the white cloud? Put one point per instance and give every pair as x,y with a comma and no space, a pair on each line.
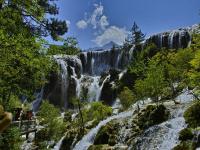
103,22
97,13
96,19
68,23
81,24
112,33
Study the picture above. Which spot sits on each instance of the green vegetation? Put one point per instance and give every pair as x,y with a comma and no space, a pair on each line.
49,116
186,134
98,111
11,139
69,47
107,135
135,37
126,97
152,115
192,115
162,74
187,145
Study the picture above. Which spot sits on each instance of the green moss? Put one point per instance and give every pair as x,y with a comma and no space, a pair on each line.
187,145
107,135
192,115
152,115
98,147
186,134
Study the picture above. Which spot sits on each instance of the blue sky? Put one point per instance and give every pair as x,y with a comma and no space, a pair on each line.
97,22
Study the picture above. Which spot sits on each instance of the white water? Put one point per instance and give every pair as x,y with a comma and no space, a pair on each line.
36,103
64,76
94,89
170,40
88,139
107,78
165,135
58,145
78,84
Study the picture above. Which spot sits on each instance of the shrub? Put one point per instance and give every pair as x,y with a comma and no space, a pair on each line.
10,139
126,97
97,111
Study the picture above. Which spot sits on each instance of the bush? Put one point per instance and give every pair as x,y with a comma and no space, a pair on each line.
49,116
10,139
186,134
192,115
126,97
97,111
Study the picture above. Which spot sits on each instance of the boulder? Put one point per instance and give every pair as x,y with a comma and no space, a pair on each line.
107,135
186,134
152,115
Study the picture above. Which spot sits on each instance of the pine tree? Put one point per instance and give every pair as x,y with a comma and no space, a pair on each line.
135,37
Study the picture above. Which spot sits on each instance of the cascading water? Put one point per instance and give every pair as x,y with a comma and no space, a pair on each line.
64,77
78,86
94,89
58,145
88,139
36,103
165,135
94,63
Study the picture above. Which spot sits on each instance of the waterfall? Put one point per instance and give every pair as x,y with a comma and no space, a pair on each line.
170,39
97,62
88,139
64,77
107,78
91,65
36,103
94,89
78,86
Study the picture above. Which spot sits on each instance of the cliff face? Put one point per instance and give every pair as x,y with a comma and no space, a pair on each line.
87,75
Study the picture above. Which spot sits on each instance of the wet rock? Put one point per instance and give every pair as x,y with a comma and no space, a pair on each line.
68,140
152,115
100,147
108,93
192,115
186,134
187,145
107,135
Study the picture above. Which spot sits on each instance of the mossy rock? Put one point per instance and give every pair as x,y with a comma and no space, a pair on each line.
99,147
158,115
68,116
152,115
185,134
107,135
68,140
186,145
192,115
42,135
